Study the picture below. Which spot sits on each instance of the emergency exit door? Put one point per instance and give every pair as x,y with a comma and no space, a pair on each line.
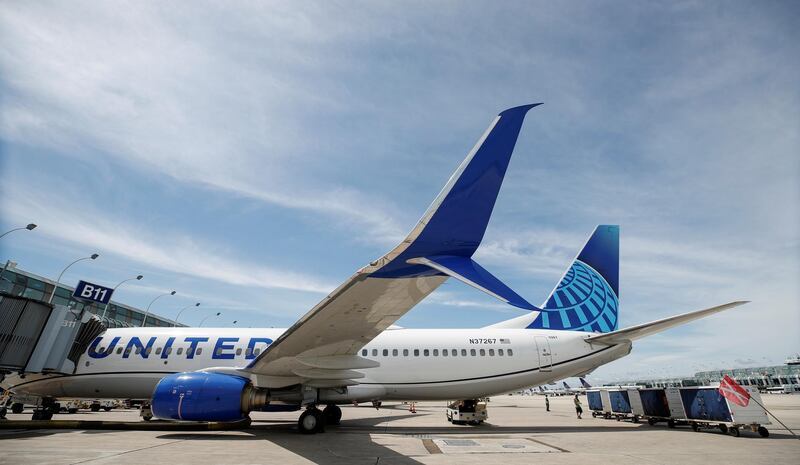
543,351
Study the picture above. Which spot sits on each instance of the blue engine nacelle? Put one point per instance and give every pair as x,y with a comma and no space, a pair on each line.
203,396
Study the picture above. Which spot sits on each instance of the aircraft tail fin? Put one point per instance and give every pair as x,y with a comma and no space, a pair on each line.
585,384
587,297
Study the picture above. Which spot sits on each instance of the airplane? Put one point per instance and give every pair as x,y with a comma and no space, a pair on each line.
346,348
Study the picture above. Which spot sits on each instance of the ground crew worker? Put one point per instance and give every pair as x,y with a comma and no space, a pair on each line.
578,407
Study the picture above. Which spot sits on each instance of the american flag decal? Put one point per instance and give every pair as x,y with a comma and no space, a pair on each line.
505,341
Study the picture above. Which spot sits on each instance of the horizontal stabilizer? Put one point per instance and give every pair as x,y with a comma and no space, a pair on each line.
646,329
470,272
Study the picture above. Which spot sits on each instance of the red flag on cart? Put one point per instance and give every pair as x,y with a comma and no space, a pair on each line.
733,392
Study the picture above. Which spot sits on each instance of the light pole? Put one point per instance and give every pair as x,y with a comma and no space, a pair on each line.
90,257
30,227
147,312
209,316
179,313
105,309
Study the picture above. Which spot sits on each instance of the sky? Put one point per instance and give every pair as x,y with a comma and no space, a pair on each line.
253,155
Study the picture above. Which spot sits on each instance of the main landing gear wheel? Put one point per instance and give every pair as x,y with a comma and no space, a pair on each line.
17,407
311,421
651,421
763,432
734,431
723,428
332,414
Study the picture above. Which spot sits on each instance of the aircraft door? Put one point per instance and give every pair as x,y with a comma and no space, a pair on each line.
543,351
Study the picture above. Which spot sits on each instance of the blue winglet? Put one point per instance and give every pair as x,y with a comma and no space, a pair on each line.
456,221
470,272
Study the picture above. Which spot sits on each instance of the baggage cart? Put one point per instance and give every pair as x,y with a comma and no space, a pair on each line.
706,408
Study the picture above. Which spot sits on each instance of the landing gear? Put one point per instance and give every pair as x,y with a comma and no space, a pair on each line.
145,413
332,414
17,407
763,432
46,410
94,407
723,428
311,421
734,431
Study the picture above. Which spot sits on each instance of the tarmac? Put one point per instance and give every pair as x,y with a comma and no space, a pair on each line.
519,430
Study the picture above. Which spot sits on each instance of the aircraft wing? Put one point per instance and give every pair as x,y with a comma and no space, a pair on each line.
646,329
321,348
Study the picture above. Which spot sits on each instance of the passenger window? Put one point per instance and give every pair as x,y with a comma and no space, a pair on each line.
218,351
200,351
248,352
363,353
500,352
158,350
444,352
168,350
238,351
257,351
405,352
394,352
119,350
189,352
374,352
464,352
472,352
180,350
385,352
148,350
416,352
510,352
435,352
483,352
455,352
138,350
491,352
426,352
102,349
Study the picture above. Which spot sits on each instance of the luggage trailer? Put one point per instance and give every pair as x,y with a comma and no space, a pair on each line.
706,408
658,405
599,402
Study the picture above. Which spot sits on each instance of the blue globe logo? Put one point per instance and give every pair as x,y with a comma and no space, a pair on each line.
583,301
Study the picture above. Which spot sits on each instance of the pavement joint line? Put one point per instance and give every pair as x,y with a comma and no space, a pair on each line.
431,446
560,449
128,452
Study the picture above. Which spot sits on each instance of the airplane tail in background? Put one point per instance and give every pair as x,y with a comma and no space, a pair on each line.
587,298
585,384
566,386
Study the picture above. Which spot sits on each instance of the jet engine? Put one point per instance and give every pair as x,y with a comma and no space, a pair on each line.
206,396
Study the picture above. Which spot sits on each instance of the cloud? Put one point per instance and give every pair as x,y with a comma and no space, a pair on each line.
176,253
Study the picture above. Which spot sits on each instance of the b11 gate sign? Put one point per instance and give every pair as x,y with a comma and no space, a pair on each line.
94,292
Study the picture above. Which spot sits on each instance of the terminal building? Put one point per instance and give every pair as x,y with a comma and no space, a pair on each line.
761,377
17,282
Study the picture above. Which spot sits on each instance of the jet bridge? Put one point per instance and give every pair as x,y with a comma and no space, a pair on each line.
38,337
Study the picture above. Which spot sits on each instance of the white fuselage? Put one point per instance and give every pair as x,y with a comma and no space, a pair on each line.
415,364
